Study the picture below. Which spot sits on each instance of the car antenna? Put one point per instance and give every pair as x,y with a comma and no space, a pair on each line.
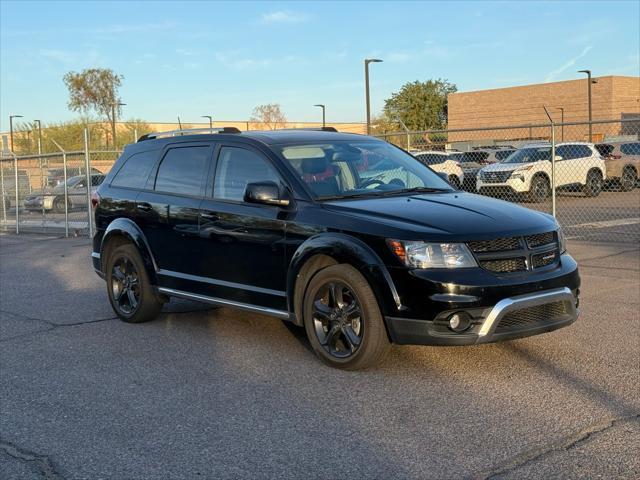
179,124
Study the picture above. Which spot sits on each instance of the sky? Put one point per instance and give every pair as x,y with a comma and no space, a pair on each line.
224,58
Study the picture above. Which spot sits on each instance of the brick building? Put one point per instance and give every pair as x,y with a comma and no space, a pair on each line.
613,98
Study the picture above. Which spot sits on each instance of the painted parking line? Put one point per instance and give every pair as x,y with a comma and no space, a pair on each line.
607,223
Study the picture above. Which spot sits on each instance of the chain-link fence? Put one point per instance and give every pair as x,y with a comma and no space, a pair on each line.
48,193
586,174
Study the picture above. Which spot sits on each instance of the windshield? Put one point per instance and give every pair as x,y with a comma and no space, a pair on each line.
529,155
475,157
359,168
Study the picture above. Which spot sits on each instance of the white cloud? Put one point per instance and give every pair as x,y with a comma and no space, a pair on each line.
568,64
238,63
284,16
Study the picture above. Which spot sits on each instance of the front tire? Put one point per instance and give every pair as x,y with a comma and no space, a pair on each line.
593,187
342,319
58,205
455,182
131,294
539,190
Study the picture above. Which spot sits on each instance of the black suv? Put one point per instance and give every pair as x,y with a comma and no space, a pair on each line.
346,235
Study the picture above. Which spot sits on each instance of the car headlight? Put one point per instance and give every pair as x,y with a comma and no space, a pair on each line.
562,242
418,254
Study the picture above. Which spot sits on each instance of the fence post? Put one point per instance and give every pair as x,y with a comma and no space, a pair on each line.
42,186
553,169
4,198
87,167
15,171
135,135
66,192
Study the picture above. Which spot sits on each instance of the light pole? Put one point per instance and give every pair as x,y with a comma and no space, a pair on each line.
39,136
11,117
588,72
562,123
210,122
113,121
323,117
367,61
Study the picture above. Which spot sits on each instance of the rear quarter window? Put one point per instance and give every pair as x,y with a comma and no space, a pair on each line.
182,171
135,171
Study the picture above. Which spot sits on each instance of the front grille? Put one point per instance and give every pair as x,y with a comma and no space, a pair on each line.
495,177
495,245
515,254
541,239
543,259
531,316
505,265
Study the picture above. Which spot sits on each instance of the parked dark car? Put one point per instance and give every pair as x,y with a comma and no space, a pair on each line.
55,176
292,224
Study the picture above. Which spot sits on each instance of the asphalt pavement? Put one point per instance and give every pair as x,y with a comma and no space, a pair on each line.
213,393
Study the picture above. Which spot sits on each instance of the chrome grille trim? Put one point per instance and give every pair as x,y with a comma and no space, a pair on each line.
507,305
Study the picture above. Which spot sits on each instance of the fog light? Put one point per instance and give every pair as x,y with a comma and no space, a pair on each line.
459,322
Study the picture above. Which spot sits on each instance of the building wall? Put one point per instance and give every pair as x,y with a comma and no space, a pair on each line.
612,96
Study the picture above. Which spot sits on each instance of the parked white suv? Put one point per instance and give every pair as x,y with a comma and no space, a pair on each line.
528,171
441,162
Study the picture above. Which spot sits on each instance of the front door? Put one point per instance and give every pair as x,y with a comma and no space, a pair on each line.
244,243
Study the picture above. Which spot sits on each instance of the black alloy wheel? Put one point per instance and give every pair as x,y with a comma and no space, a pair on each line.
125,286
540,189
593,186
628,179
337,320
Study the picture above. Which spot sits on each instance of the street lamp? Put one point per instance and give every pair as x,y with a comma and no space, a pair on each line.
562,123
367,61
113,121
323,117
210,122
11,117
39,136
589,82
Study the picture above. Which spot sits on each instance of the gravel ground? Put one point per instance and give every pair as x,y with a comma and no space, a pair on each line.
214,393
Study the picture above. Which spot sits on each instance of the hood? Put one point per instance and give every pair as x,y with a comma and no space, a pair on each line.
505,167
457,215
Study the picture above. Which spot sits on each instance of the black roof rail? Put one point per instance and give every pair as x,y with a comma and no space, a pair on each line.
308,129
188,131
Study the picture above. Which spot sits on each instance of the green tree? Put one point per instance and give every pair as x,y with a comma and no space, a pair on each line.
131,131
421,105
95,90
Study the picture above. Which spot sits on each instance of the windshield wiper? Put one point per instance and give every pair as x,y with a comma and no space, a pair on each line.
386,193
422,190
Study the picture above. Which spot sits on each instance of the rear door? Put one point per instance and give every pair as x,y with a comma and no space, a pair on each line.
167,210
243,243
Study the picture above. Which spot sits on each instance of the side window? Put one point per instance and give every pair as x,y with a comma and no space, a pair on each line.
567,152
135,171
182,170
630,148
236,168
96,180
583,151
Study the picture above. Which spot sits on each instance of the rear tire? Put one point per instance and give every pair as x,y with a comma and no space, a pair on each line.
539,190
342,319
58,205
628,179
593,187
131,294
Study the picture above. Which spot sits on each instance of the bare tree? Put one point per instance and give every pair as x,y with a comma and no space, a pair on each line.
269,115
95,89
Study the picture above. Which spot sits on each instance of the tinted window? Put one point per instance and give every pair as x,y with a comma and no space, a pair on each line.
604,149
570,152
474,157
432,159
96,180
182,170
236,168
630,148
135,171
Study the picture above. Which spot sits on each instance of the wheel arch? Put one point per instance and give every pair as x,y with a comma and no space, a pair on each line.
124,230
323,250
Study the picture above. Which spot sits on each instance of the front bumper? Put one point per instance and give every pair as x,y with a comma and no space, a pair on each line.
517,185
514,317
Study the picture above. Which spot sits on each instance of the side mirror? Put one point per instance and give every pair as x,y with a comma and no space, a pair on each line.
266,193
558,158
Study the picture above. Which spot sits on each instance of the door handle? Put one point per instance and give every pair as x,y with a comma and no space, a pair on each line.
145,207
210,216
